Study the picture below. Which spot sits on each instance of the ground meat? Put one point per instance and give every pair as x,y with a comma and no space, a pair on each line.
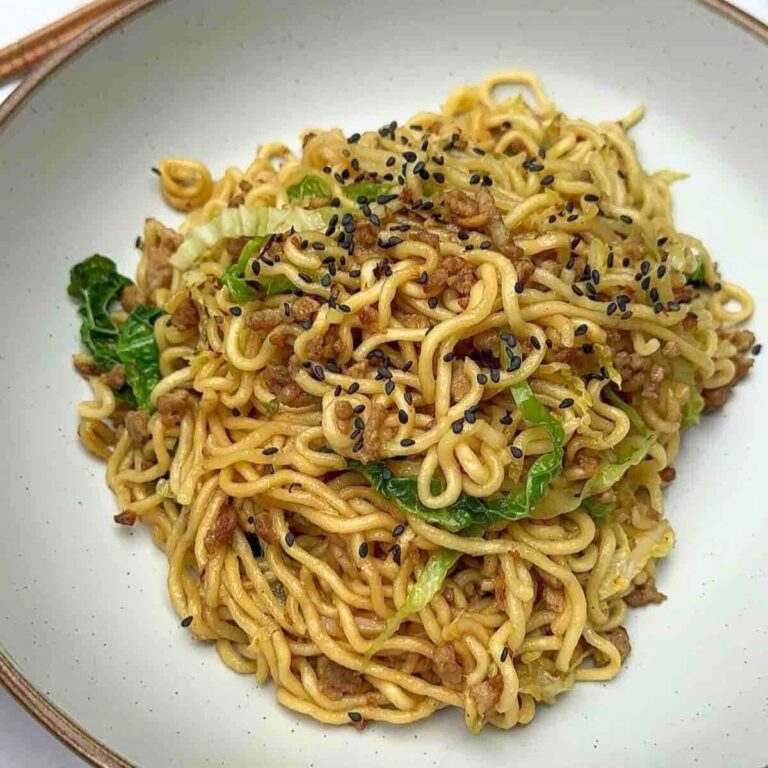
463,281
344,411
460,383
487,694
159,244
447,666
115,378
369,318
283,338
588,464
437,280
743,364
136,425
620,639
647,593
429,238
567,355
279,381
373,431
294,396
125,518
173,406
496,228
633,369
553,599
223,528
337,681
667,474
413,321
460,205
276,377
304,308
85,366
132,297
742,340
186,316
684,295
366,234
325,347
690,322
262,524
264,319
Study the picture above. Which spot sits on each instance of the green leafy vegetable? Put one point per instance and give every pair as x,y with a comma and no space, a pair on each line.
628,453
242,290
138,352
96,284
234,276
369,189
467,510
426,587
599,512
309,186
271,406
697,277
683,371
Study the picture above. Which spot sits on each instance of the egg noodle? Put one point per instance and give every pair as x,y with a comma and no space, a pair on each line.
418,393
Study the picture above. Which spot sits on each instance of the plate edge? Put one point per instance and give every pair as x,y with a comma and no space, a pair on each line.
54,720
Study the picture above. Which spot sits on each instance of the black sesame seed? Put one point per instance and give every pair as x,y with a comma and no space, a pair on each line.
236,311
402,416
398,530
657,308
514,363
519,287
535,343
271,451
654,295
389,387
407,442
611,308
662,240
355,717
363,550
575,288
661,271
471,416
757,349
587,349
645,267
547,180
358,408
449,357
353,387
408,396
397,554
506,419
717,287
354,138
495,375
504,654
409,157
474,178
645,283
432,302
482,378
343,308
289,539
591,198
581,330
595,275
457,426
337,391
185,622
566,403
626,219
516,452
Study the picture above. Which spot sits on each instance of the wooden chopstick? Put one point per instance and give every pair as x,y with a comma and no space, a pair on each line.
21,56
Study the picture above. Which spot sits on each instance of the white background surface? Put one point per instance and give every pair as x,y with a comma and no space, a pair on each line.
22,742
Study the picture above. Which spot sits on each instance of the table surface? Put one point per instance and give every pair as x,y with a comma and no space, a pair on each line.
23,743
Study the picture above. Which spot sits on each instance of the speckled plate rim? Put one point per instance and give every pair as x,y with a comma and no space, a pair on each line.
45,712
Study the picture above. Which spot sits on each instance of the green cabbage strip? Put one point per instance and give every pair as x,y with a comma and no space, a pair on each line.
682,371
309,186
234,276
248,222
628,453
424,590
698,276
139,353
96,284
369,189
241,289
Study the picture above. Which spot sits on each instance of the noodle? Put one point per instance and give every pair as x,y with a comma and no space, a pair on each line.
416,395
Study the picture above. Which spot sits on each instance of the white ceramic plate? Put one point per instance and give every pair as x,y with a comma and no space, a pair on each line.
84,615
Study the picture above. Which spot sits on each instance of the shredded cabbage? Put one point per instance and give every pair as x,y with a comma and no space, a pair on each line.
541,683
627,563
247,222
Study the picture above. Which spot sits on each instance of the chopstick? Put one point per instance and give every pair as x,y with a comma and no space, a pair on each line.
21,56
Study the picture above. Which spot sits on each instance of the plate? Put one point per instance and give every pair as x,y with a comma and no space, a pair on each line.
85,620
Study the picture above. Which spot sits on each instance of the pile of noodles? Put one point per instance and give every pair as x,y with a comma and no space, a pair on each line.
268,485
